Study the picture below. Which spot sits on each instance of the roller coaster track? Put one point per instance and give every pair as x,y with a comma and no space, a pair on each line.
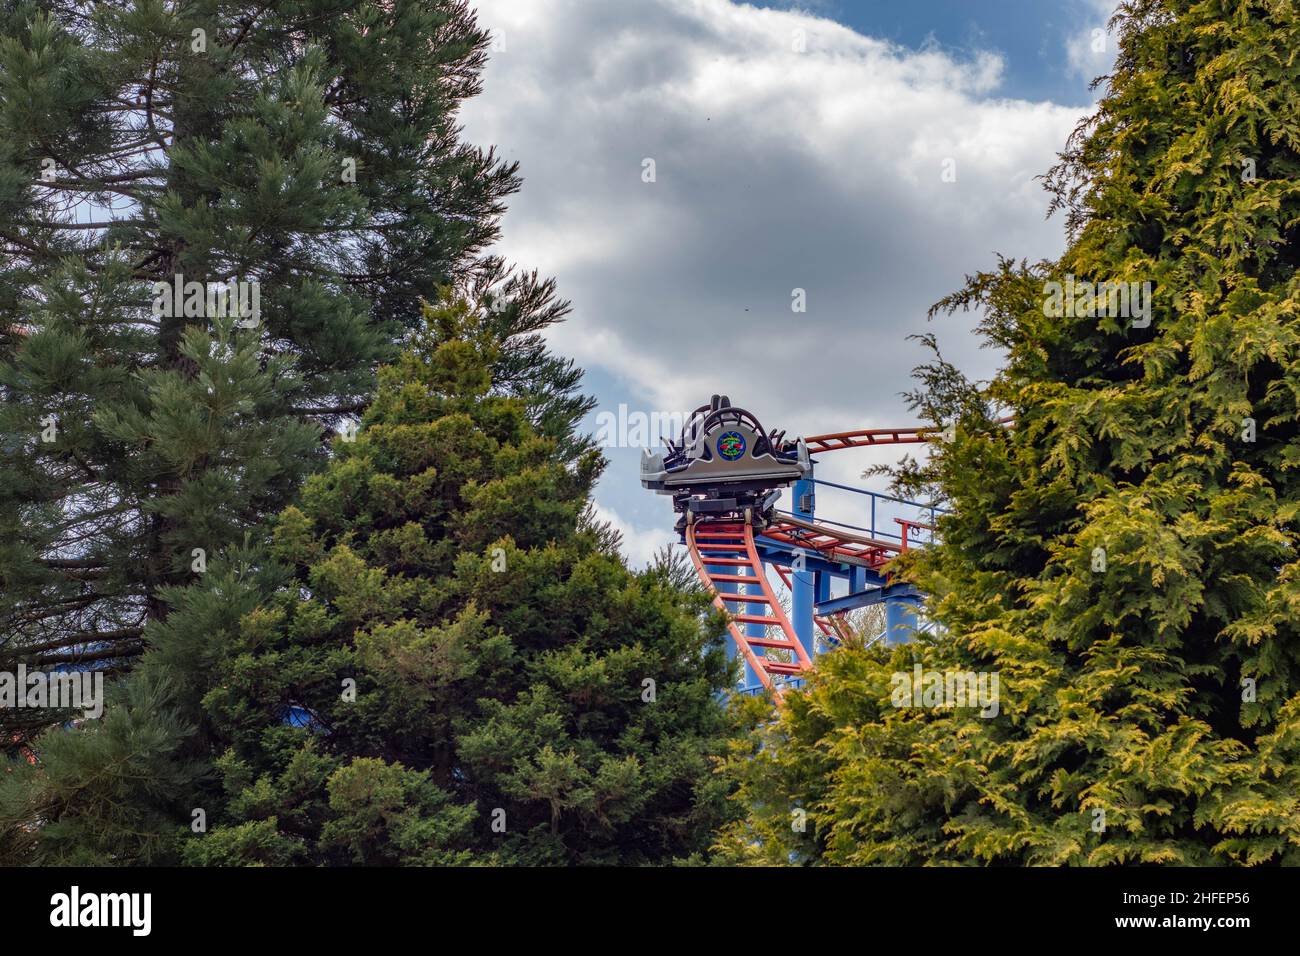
726,560
866,437
832,544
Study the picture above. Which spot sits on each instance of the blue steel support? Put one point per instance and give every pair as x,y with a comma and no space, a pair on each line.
801,581
857,580
900,618
870,597
821,592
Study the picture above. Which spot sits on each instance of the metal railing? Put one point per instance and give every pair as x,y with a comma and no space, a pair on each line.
877,528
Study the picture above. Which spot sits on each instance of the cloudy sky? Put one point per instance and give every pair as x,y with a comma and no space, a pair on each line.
869,153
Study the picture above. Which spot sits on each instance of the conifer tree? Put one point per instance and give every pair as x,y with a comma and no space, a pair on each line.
303,155
439,659
1123,556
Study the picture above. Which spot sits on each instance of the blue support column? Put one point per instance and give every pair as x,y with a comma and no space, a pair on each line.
857,579
822,591
900,618
801,582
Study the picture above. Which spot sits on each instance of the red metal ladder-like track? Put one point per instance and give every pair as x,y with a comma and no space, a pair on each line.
724,553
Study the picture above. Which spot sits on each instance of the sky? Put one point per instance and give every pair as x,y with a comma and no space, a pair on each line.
695,170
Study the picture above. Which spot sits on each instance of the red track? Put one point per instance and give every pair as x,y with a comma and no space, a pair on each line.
730,545
862,437
831,544
724,553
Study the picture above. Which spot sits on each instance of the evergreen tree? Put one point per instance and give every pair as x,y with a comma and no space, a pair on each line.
1124,556
441,660
308,150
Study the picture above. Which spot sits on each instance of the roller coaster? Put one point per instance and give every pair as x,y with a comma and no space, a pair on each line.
725,474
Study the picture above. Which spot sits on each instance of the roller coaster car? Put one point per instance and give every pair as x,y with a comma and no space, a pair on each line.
725,464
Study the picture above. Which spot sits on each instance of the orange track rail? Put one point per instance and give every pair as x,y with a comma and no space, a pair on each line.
863,437
730,546
875,553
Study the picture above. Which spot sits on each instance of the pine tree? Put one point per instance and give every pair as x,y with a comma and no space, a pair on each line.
305,153
1124,556
439,659
466,649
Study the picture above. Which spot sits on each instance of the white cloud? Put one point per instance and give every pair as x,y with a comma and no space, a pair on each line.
639,545
776,170
1090,47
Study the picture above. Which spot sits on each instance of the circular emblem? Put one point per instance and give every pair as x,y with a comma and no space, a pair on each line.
731,445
